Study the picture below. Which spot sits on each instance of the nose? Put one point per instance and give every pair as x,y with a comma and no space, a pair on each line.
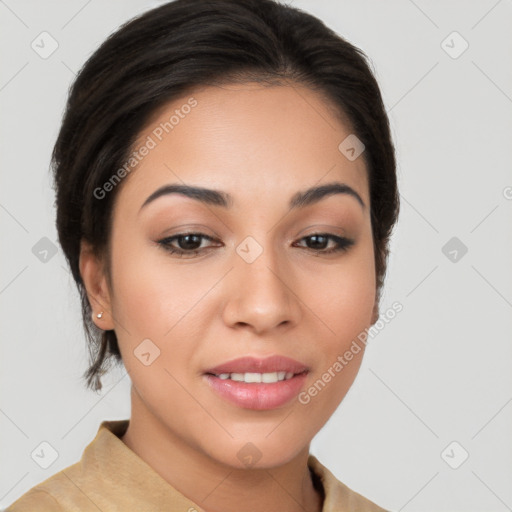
262,295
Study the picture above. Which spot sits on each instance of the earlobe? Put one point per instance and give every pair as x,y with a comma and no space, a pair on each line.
95,281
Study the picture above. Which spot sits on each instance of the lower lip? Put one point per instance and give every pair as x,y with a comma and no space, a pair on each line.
257,396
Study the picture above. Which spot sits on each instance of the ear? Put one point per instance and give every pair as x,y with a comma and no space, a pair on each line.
95,281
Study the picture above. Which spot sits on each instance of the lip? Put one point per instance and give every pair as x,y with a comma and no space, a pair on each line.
254,365
257,396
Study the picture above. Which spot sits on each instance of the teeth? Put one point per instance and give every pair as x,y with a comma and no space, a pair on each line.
269,377
266,378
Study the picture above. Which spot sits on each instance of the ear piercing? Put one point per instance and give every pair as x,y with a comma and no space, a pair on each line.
99,315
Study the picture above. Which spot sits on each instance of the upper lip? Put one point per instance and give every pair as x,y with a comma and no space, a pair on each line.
254,365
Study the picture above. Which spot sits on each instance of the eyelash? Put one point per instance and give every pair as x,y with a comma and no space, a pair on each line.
343,244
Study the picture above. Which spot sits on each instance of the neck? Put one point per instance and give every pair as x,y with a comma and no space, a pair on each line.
213,485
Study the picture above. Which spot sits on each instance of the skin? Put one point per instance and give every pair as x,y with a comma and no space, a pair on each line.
261,145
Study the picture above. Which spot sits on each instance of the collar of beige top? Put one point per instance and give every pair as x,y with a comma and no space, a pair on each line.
110,476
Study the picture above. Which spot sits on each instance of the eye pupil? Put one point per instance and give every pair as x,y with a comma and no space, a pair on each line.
315,241
190,244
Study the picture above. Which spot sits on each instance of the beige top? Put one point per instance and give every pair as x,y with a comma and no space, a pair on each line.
111,477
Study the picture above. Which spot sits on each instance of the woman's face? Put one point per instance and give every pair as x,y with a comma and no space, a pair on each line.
261,283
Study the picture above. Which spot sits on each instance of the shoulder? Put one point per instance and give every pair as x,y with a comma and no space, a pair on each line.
36,500
72,488
81,485
58,493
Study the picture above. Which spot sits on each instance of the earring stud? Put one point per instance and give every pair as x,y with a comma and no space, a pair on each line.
99,315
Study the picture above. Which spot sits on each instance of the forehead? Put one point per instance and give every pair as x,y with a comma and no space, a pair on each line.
250,140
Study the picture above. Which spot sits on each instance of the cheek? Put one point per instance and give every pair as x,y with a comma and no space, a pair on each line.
348,306
344,301
340,350
150,305
155,299
343,296
151,294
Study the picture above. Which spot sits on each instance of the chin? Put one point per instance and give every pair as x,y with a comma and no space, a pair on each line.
261,450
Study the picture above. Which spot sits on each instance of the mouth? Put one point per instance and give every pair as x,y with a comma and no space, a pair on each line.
258,384
256,366
253,377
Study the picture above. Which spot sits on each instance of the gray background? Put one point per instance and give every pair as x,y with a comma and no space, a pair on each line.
439,372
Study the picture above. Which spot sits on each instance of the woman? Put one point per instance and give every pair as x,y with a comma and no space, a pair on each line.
226,192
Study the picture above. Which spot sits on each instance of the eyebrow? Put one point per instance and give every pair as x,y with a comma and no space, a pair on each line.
212,197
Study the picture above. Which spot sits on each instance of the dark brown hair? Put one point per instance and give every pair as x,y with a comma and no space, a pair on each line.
161,55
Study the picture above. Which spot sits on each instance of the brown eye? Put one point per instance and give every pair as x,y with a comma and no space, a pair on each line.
319,241
188,243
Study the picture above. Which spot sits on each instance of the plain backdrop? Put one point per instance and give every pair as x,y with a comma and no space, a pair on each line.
426,425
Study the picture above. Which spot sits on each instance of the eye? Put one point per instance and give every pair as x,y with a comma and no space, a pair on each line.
189,244
318,241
